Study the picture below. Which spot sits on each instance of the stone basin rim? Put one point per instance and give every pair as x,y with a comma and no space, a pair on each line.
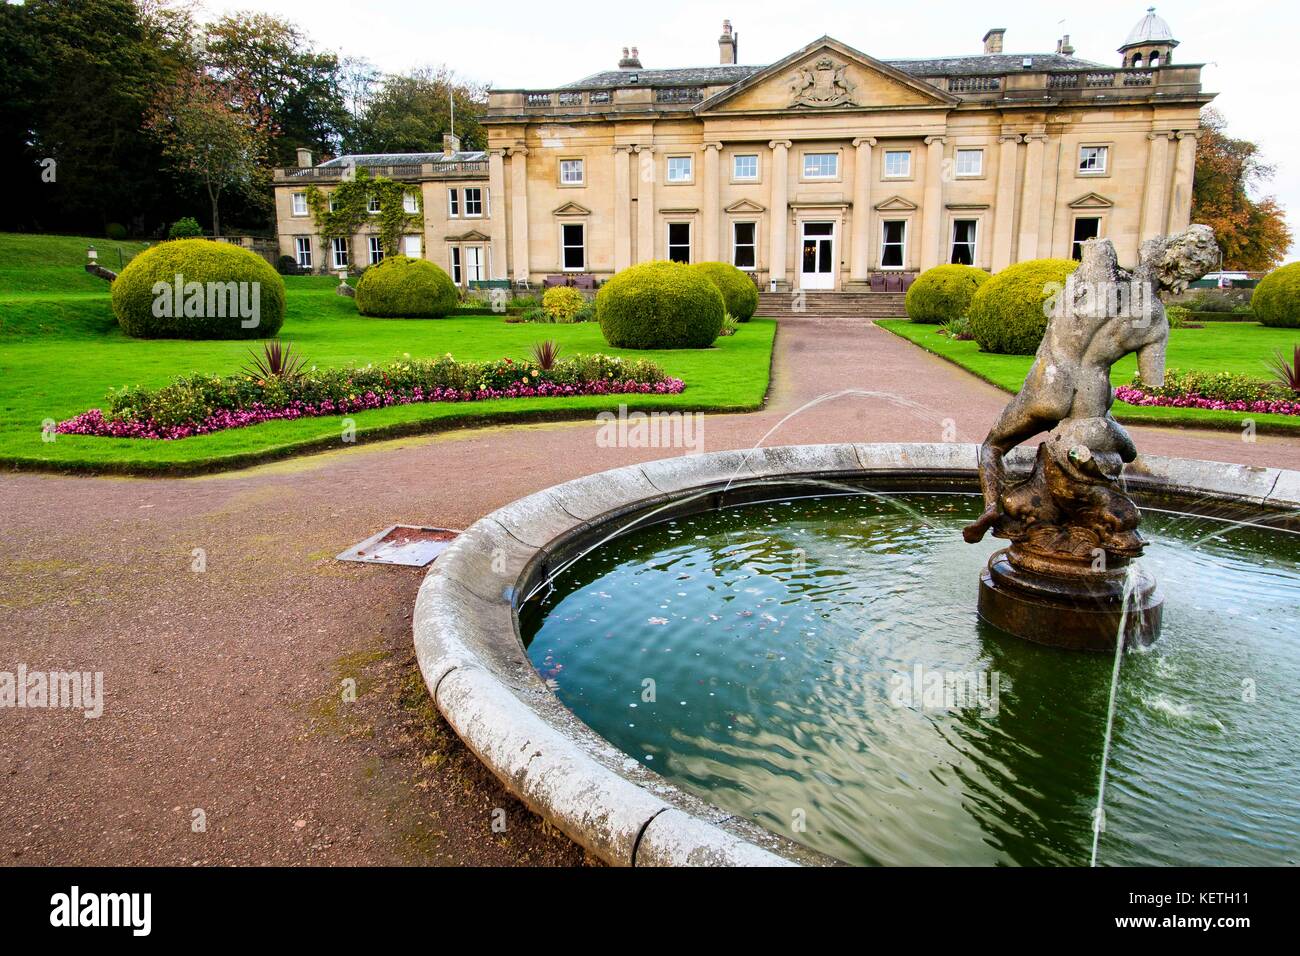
467,640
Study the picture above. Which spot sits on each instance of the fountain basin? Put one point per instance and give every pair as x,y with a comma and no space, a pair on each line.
478,670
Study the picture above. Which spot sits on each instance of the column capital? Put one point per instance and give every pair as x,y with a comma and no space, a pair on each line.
784,143
1191,134
865,141
931,140
517,150
1009,138
1160,134
717,146
498,151
643,148
621,149
1035,137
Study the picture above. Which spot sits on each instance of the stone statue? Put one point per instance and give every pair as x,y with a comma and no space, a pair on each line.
1070,520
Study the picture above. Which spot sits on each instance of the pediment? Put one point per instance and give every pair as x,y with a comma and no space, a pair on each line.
571,209
746,205
896,204
827,75
472,236
1091,201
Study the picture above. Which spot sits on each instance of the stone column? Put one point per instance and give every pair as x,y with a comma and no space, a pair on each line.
780,212
497,202
1004,213
860,259
519,212
622,209
1156,191
1180,208
932,208
710,202
1031,196
645,204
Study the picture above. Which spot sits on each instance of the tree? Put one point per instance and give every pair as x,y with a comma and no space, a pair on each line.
411,111
1252,232
205,136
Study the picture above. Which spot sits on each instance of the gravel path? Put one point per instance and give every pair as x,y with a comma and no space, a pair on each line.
225,738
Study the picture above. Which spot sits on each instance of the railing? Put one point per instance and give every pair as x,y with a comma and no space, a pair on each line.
974,84
1139,79
679,94
402,171
310,172
596,97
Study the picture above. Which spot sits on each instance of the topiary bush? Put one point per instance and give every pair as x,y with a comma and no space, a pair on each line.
1276,301
660,305
115,231
223,292
737,288
944,293
186,227
402,287
562,303
1006,314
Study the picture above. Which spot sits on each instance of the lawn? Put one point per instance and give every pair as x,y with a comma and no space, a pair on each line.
61,351
1242,347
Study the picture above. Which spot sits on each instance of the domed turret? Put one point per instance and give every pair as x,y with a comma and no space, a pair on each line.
1150,43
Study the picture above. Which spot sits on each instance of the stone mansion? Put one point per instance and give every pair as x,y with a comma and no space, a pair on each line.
823,170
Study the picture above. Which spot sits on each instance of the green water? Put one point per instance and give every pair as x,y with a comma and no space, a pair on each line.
782,641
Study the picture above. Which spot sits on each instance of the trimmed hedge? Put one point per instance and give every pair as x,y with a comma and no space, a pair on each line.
660,305
1276,301
217,292
1006,314
737,288
944,293
402,287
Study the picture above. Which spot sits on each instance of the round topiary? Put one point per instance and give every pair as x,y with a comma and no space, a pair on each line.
737,288
1276,300
198,289
115,231
1006,314
187,227
660,305
402,287
944,293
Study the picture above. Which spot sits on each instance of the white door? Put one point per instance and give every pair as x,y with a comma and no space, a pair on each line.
817,256
474,264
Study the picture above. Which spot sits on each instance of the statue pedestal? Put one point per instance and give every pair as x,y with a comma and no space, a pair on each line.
1066,604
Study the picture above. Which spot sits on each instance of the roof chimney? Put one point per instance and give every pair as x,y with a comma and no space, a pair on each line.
304,158
450,145
1063,46
993,40
632,62
727,44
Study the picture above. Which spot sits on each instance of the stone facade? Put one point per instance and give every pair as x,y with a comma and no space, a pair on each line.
825,170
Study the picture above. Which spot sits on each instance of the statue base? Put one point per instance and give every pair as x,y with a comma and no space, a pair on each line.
1065,603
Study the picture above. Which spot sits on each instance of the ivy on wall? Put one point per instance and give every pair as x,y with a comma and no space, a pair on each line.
342,212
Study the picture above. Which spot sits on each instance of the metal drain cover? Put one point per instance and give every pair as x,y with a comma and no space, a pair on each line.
405,544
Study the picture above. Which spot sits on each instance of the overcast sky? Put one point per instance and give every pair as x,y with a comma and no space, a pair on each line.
1249,46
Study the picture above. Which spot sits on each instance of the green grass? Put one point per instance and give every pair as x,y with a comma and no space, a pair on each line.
61,351
1241,347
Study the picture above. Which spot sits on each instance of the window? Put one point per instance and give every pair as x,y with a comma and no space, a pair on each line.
571,172
302,246
376,250
1137,61
898,163
970,162
1092,159
473,201
821,165
411,203
300,204
372,206
340,247
455,264
334,203
893,243
1155,59
963,241
573,246
744,245
679,241
744,166
453,203
1085,228
411,247
679,169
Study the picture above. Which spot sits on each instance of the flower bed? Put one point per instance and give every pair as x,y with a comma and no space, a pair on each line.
1136,396
202,404
1219,391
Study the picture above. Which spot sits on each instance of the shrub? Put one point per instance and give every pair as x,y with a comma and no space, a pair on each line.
956,329
1276,300
660,305
737,288
1286,372
288,266
185,228
562,303
115,231
217,297
1177,315
403,287
1006,314
729,326
1215,386
944,293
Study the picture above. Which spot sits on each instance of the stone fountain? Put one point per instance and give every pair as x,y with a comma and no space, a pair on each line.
1068,574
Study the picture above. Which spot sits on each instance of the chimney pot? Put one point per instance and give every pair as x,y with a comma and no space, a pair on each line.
727,44
993,40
